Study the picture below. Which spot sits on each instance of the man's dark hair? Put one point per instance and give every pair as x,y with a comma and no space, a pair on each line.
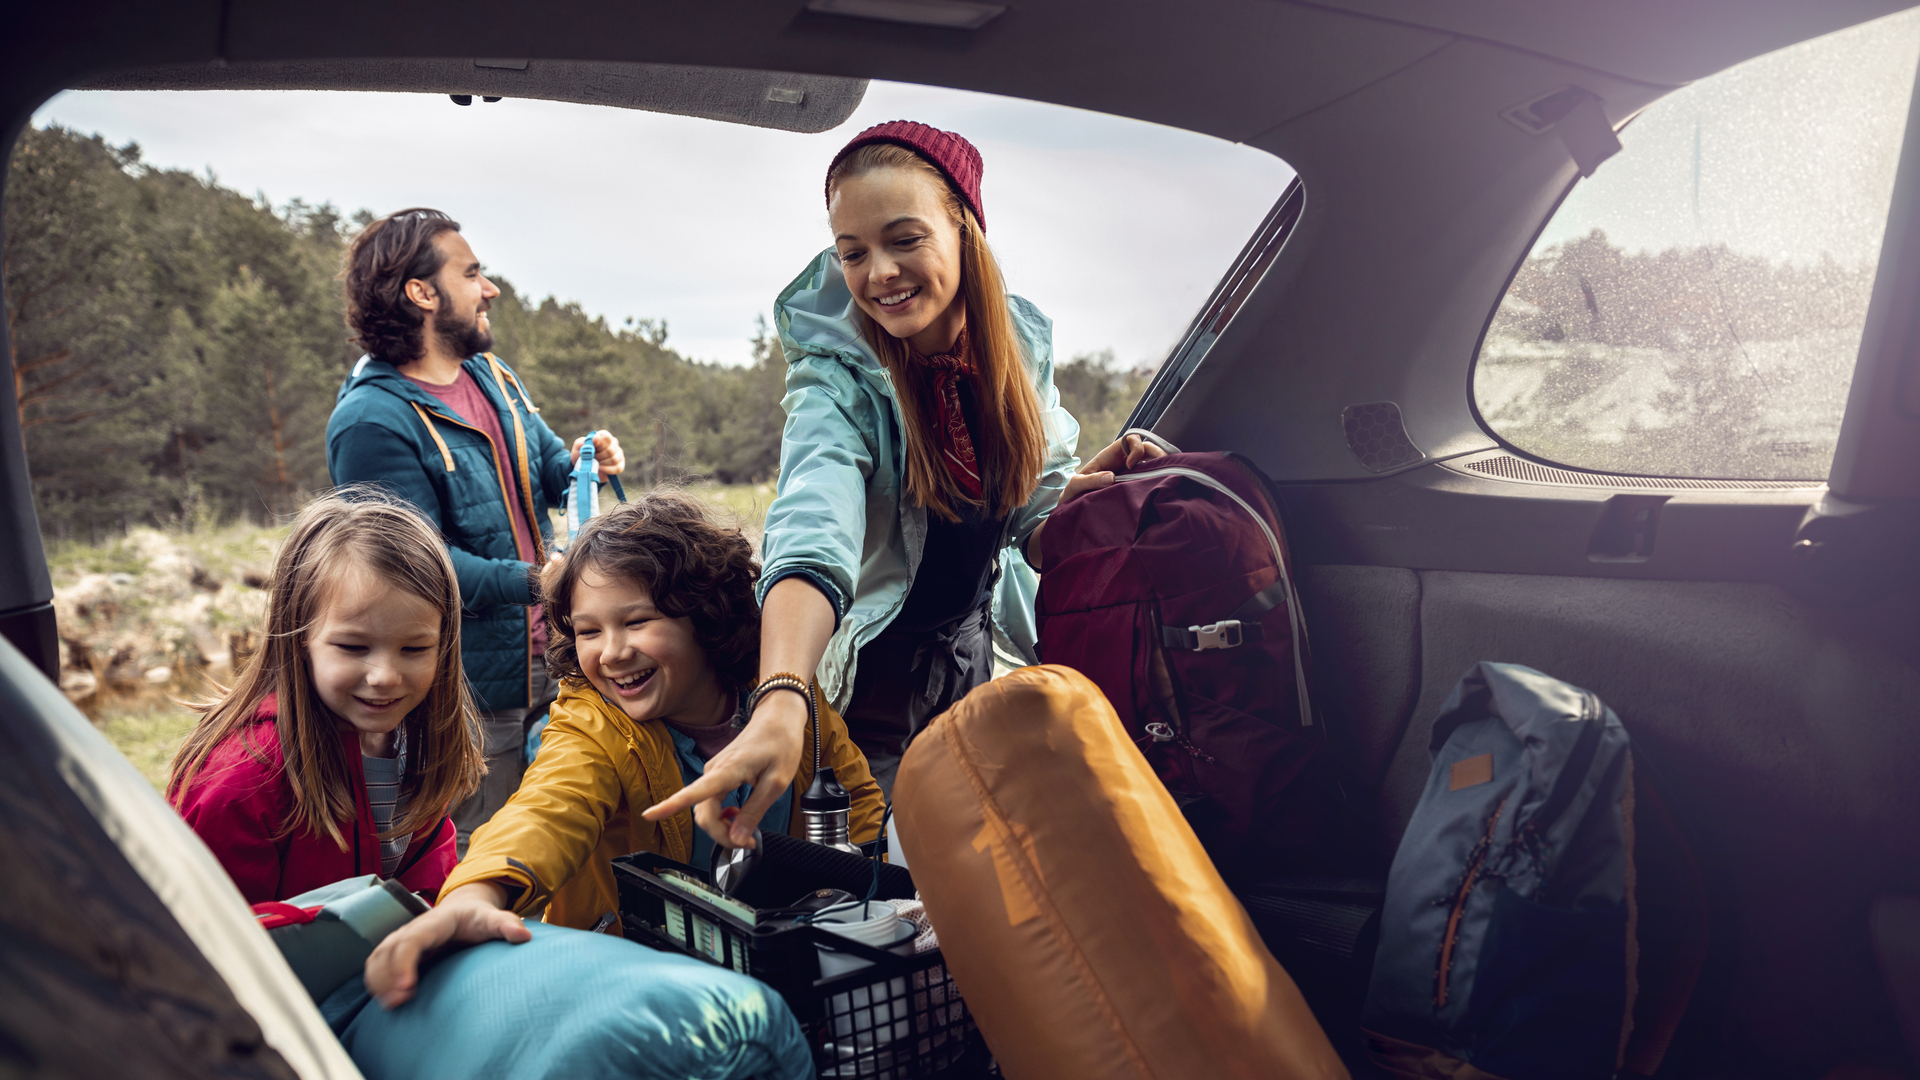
693,566
383,258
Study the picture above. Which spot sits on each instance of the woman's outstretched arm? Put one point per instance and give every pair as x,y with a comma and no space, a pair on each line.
795,624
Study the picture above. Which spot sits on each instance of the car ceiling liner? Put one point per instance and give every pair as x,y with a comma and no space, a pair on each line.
788,102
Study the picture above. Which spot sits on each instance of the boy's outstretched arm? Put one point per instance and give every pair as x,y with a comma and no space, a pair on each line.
470,914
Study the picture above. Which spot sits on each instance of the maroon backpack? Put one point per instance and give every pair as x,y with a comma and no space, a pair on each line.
1172,590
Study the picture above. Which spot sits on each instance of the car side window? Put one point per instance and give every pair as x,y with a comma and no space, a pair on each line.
1695,308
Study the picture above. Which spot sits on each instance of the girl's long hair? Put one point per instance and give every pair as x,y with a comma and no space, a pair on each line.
353,531
1010,443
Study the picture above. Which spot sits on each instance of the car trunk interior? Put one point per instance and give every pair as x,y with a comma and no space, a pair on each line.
1773,697
1753,709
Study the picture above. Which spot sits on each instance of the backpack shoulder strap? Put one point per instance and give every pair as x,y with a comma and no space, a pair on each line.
525,398
1673,924
500,378
446,455
1242,625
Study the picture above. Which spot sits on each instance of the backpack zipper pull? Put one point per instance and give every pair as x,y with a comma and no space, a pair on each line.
1161,732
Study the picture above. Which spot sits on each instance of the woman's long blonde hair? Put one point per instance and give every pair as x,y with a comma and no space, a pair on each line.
1010,443
355,530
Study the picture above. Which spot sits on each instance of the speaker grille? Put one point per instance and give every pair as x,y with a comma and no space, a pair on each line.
1378,437
1508,467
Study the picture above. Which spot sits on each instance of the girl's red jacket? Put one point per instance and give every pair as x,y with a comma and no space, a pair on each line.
239,805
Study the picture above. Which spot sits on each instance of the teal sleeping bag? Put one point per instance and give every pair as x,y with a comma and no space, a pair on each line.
575,1005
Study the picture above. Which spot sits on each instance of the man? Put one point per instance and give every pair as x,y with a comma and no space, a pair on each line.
431,415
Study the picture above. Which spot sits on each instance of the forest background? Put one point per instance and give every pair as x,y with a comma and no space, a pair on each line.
177,347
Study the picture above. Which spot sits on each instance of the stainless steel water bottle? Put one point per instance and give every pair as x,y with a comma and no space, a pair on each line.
826,808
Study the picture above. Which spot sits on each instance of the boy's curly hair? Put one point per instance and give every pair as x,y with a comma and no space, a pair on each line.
667,541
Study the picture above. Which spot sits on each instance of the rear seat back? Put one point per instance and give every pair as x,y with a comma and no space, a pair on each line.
1781,736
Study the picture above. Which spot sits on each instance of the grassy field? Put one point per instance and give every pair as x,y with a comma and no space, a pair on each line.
148,737
147,723
227,551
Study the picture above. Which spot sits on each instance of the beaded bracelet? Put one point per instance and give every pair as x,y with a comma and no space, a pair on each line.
787,680
788,675
779,680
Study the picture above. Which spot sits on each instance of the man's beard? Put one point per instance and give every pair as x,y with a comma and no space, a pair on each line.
462,339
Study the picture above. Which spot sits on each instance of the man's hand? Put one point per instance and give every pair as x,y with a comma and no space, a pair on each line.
608,458
472,913
766,755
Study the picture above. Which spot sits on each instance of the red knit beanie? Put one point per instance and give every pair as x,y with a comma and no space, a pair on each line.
954,156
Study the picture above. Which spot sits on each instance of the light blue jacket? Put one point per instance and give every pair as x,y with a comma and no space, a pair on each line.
840,514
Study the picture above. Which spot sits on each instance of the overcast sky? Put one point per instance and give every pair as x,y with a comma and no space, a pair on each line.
1790,155
1116,228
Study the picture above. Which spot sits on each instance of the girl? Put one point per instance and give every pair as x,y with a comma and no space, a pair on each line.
350,733
924,438
654,635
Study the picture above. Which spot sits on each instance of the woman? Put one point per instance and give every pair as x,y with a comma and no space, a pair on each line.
924,439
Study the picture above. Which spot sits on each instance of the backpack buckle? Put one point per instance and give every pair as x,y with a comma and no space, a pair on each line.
1224,634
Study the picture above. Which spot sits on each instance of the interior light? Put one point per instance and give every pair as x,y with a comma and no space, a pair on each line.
951,14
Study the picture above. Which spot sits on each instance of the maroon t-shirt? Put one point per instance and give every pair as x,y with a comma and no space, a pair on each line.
464,398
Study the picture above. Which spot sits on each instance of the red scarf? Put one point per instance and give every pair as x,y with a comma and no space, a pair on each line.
949,421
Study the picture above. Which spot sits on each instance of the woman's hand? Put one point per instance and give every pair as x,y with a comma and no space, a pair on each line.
795,624
470,914
766,755
608,458
1122,455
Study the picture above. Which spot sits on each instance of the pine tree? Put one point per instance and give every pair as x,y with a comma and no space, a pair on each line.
744,443
74,296
264,401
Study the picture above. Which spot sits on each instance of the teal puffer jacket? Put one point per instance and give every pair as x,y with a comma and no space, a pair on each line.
840,515
387,431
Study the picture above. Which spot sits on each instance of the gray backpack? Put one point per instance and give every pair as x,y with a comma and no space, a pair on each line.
1509,932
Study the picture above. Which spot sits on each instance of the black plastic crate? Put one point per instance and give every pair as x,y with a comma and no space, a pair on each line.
899,1019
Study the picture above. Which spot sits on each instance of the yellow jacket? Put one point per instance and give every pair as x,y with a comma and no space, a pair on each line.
578,808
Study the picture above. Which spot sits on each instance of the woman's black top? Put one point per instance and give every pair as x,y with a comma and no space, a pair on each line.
940,645
956,566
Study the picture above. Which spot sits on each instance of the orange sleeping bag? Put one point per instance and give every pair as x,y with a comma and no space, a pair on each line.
1088,931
